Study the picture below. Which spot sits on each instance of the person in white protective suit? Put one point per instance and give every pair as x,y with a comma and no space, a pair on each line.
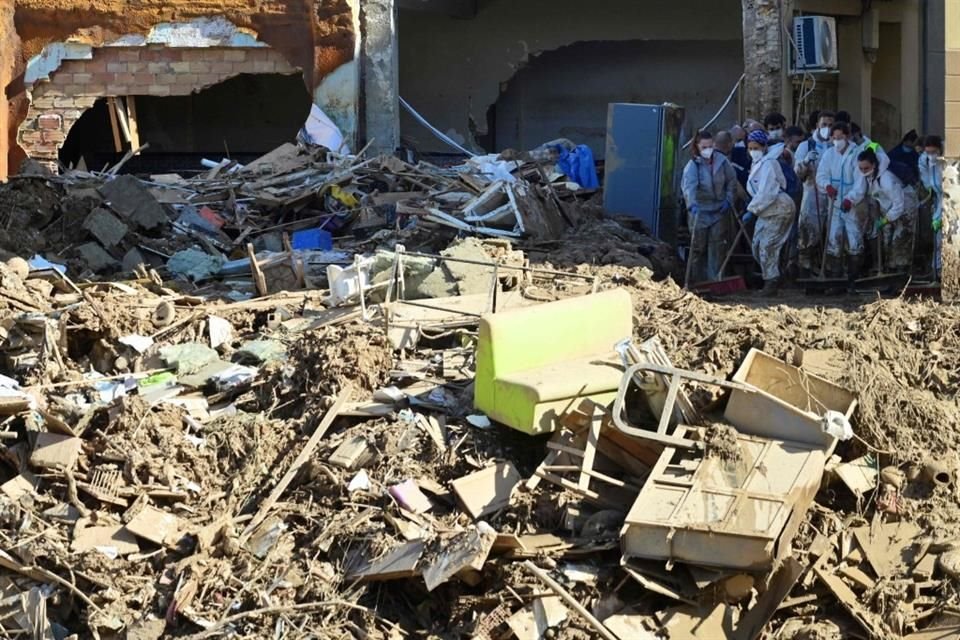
839,177
931,175
812,222
772,207
898,210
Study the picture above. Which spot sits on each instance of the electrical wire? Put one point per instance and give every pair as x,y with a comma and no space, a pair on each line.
436,132
733,92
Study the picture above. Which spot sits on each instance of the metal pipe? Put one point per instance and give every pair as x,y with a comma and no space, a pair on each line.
436,132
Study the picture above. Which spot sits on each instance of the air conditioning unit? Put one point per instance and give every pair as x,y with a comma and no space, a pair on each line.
816,40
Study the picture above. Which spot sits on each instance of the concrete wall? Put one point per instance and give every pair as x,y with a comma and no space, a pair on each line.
934,74
565,93
9,52
452,69
885,127
952,68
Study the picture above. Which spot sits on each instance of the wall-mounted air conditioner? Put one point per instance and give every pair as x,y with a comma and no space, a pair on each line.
816,41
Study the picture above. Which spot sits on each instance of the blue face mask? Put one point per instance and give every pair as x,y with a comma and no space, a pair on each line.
907,148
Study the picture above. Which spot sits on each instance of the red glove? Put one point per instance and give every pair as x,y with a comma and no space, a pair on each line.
847,205
831,191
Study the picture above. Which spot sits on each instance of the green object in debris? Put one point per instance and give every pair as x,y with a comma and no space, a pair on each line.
259,351
164,378
189,357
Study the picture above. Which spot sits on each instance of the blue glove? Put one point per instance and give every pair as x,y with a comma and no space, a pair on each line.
694,209
726,206
748,217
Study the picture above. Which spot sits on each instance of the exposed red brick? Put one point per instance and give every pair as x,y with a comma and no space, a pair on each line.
55,136
239,55
117,67
50,121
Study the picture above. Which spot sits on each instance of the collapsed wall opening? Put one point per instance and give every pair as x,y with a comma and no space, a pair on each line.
243,117
565,93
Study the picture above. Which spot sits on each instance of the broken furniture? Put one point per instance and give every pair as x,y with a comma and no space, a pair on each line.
536,363
737,501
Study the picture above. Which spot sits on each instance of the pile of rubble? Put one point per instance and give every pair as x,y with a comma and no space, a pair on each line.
247,452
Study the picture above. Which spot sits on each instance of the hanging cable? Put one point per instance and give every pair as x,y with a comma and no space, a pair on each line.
436,132
722,109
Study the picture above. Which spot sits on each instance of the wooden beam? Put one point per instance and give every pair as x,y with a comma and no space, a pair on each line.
122,117
132,122
114,127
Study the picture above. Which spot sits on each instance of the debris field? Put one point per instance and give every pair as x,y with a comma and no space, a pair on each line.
248,403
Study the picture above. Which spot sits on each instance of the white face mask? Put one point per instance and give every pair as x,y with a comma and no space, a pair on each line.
707,153
824,133
840,145
932,156
756,155
866,174
776,134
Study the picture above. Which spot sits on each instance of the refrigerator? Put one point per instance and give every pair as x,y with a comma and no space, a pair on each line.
642,171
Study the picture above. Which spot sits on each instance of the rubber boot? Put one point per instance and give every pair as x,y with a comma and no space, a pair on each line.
770,288
854,266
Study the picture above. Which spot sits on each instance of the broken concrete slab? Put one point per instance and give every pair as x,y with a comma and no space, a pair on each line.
96,257
131,199
20,485
107,228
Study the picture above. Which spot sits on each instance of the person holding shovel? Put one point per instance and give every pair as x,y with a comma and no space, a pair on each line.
709,187
839,177
771,205
898,211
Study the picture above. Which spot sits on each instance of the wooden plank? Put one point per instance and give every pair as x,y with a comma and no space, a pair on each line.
114,127
781,583
258,278
132,122
399,563
301,459
590,452
122,117
866,619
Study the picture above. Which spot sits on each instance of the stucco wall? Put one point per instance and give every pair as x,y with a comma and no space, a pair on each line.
565,93
452,69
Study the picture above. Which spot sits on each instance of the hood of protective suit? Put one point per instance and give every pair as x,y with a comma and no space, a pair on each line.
883,163
775,151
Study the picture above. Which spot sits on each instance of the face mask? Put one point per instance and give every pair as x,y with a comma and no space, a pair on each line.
932,156
706,154
866,174
776,134
840,145
756,155
907,148
824,133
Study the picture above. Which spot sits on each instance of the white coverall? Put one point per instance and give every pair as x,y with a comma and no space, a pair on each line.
812,221
842,172
931,174
774,210
898,204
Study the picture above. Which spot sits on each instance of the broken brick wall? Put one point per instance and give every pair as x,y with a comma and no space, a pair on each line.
135,71
315,36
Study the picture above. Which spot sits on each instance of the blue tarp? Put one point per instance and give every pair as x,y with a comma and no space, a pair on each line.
578,165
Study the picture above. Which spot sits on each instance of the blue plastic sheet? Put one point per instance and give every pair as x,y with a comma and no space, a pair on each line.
578,165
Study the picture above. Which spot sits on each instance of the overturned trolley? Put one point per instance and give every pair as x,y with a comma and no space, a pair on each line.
736,497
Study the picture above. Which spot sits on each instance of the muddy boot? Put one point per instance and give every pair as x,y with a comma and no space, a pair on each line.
854,267
805,274
834,270
770,288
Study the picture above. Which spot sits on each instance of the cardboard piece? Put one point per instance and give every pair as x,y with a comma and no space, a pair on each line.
891,548
19,486
401,562
408,495
874,626
487,491
156,526
52,451
468,550
112,541
859,475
